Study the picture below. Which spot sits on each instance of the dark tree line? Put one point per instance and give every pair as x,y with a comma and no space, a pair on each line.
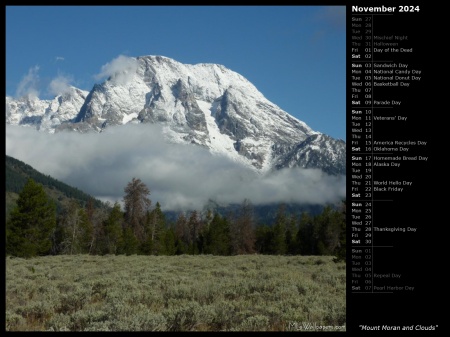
140,228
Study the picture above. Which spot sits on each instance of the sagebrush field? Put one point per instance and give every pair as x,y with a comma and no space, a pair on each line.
175,293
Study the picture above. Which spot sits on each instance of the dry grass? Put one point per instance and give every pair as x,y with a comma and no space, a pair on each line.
175,293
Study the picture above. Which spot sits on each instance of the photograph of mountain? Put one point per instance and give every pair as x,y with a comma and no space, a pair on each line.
197,150
155,104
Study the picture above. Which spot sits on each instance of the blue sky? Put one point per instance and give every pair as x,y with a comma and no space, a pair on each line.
294,55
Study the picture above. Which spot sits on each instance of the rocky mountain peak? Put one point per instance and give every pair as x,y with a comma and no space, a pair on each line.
205,104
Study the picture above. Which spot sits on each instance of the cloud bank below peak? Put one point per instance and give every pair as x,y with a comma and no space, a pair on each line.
179,176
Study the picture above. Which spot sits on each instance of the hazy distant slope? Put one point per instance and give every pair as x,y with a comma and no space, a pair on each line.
17,173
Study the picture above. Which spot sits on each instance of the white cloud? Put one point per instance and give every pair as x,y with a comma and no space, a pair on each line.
121,69
60,85
59,58
28,86
178,176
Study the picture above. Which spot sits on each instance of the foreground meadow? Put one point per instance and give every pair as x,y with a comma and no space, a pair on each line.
175,293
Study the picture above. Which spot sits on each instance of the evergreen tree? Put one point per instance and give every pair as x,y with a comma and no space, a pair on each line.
136,206
155,232
170,242
182,235
327,230
58,236
96,217
114,230
279,232
217,237
129,244
31,223
242,230
194,225
305,239
264,239
76,229
341,251
291,233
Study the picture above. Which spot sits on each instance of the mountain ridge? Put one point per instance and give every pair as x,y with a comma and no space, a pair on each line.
17,172
205,104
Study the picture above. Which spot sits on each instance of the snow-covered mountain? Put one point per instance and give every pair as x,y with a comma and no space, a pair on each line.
204,104
45,114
